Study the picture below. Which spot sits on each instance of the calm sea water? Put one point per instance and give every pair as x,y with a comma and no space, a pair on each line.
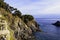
49,31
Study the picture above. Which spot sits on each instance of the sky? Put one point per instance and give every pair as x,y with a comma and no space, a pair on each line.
38,8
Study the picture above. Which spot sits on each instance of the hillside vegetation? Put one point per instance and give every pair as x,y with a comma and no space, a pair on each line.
14,25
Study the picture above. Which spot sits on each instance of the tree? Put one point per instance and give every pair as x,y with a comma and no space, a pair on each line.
17,13
27,18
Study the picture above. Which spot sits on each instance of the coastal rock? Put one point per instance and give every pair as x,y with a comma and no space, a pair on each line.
33,25
57,24
19,30
14,25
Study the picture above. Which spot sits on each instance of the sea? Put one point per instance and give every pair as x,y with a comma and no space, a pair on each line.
49,31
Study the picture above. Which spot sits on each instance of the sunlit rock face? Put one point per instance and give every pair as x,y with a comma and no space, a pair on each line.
21,30
14,28
34,26
4,32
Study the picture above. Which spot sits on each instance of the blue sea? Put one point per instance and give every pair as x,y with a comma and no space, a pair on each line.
49,31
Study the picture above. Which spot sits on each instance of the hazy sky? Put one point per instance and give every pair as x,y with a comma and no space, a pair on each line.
36,7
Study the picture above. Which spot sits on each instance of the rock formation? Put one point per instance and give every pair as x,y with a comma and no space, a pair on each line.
14,26
57,24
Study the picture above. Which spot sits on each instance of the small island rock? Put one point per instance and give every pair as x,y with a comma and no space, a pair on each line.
57,23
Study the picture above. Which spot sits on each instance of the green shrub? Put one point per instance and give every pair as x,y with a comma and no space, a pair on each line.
17,13
27,18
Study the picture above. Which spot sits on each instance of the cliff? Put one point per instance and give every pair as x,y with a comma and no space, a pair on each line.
15,27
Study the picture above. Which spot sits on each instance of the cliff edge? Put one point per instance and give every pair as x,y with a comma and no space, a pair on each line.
15,26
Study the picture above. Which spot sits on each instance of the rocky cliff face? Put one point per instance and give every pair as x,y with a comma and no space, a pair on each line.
16,28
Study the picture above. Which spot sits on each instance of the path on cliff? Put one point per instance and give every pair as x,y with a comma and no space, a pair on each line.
46,36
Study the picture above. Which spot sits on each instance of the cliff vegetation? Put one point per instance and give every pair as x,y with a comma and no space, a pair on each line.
14,25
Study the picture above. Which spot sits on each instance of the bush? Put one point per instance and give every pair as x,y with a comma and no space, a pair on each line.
17,13
27,18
